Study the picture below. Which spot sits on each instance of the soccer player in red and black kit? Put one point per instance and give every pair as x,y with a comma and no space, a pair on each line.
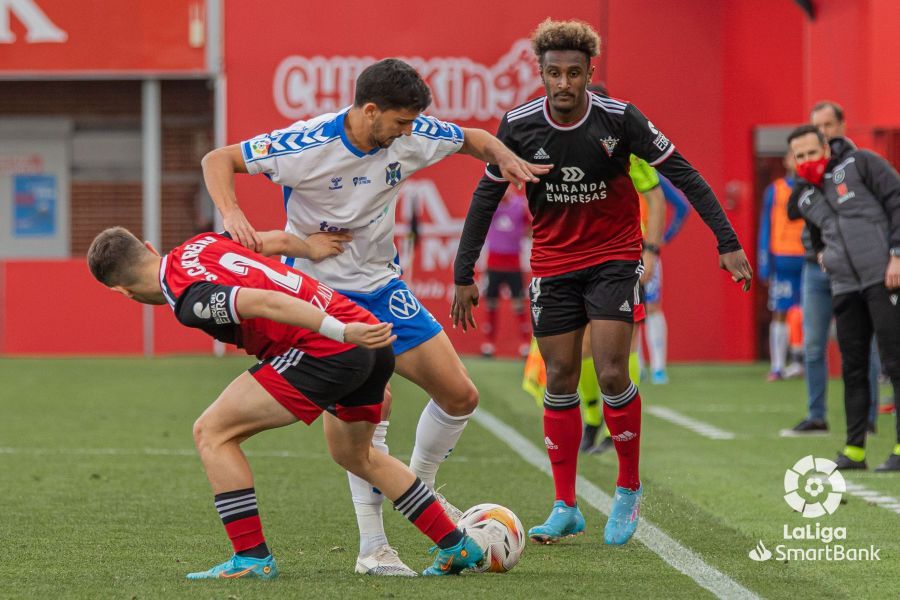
585,257
318,352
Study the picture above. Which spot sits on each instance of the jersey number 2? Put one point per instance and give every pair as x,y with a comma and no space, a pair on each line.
240,265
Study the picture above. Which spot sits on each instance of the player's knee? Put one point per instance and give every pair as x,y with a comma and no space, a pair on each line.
562,378
462,402
201,433
355,461
613,378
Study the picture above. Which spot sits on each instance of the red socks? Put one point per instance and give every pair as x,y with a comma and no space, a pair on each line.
562,436
623,418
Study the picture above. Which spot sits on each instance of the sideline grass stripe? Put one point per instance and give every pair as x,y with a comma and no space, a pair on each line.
877,498
676,555
704,429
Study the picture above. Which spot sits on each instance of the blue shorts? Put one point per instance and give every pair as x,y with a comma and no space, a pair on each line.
653,287
784,284
395,303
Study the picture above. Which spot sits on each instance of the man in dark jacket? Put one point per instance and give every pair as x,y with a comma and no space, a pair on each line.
851,203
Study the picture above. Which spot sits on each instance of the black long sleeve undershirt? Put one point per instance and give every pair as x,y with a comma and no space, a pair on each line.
484,204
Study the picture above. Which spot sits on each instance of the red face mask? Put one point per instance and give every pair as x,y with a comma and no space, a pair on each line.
813,170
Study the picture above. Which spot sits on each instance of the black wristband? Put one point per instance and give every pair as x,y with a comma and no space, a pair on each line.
654,248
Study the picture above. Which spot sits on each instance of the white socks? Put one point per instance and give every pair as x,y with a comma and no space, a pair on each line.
657,334
436,436
778,345
367,502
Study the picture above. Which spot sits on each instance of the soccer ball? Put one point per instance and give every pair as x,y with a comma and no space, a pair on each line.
499,533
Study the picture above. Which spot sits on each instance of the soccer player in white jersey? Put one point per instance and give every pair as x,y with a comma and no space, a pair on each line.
341,172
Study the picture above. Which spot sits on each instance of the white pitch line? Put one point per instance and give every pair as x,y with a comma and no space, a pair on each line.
674,553
704,429
877,498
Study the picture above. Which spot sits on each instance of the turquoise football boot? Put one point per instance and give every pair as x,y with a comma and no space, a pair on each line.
240,566
564,521
464,555
624,516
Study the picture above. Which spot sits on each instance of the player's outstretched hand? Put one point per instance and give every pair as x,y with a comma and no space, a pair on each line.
464,298
519,172
241,230
369,336
324,245
737,264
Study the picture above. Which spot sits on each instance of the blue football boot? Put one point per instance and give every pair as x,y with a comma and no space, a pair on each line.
624,516
240,566
464,555
564,521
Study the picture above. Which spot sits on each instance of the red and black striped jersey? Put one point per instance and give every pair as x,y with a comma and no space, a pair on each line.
585,210
202,278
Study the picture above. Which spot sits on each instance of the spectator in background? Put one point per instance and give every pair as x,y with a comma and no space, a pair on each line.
851,202
508,231
780,259
828,118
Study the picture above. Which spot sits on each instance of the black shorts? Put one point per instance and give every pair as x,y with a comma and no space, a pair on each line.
609,291
511,279
349,385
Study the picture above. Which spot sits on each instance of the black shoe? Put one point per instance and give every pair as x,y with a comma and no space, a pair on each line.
588,437
604,445
891,464
870,429
845,463
806,427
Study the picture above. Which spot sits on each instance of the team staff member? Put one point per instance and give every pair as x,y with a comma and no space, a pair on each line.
585,256
851,202
318,352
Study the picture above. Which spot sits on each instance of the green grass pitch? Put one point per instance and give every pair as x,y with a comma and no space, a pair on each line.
103,495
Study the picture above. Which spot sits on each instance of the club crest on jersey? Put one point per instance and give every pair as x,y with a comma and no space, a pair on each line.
392,174
336,183
404,305
609,144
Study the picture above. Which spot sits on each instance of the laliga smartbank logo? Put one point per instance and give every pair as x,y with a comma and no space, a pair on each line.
813,487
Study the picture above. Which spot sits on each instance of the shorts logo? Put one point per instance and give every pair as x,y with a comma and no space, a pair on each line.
392,174
625,307
404,305
202,312
536,313
572,174
609,144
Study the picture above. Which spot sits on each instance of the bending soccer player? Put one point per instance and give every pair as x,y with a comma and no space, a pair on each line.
585,257
318,352
342,172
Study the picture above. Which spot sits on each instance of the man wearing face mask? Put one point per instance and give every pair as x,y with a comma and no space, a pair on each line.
852,206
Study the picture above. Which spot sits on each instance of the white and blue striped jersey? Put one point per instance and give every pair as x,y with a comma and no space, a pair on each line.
329,185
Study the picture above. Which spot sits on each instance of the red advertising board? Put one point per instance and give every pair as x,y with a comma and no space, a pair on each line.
65,37
287,63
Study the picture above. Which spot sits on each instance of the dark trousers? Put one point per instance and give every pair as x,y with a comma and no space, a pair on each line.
857,315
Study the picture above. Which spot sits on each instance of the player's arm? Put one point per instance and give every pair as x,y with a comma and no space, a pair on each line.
486,147
763,253
484,204
650,144
315,248
680,208
209,306
881,178
219,167
290,310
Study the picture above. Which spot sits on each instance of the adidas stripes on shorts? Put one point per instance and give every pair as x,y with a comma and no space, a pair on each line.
609,291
